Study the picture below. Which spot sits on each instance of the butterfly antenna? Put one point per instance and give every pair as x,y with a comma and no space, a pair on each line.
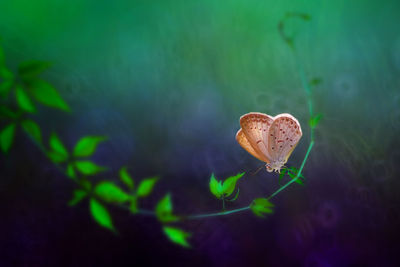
254,173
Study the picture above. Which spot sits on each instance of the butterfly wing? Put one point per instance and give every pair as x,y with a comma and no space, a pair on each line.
242,140
283,136
255,128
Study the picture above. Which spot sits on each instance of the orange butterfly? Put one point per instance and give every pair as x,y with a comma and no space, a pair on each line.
270,139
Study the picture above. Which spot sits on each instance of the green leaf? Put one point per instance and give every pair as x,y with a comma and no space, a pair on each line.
7,137
88,167
109,192
5,87
292,172
235,197
261,206
71,171
215,186
32,129
79,194
177,236
126,178
32,68
101,215
8,113
46,94
315,120
56,157
230,183
23,100
164,210
146,186
57,146
87,145
133,207
6,74
315,81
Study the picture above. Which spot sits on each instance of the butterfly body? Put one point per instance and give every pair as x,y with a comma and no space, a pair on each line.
269,139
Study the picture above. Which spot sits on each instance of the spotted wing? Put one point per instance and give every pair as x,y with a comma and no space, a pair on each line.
255,127
283,136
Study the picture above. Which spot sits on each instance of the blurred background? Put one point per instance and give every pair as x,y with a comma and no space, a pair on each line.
167,81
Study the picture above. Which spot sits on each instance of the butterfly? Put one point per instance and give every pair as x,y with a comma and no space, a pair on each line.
269,139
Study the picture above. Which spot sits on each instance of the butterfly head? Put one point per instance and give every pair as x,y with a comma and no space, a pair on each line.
275,166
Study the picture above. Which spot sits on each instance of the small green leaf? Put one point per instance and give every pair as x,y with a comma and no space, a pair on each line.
7,137
261,206
315,81
230,183
177,236
23,100
7,113
315,120
71,171
87,145
146,186
32,68
109,192
88,167
133,207
164,210
56,157
32,129
215,186
101,215
46,94
5,87
126,178
58,147
79,194
235,197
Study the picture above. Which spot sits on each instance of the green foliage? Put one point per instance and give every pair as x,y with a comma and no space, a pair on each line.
30,69
87,145
315,82
292,172
164,210
5,87
235,197
101,214
7,137
126,178
215,186
110,192
261,206
32,129
133,205
71,171
230,183
79,194
88,167
146,186
58,152
5,112
23,100
177,236
46,94
224,189
315,120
